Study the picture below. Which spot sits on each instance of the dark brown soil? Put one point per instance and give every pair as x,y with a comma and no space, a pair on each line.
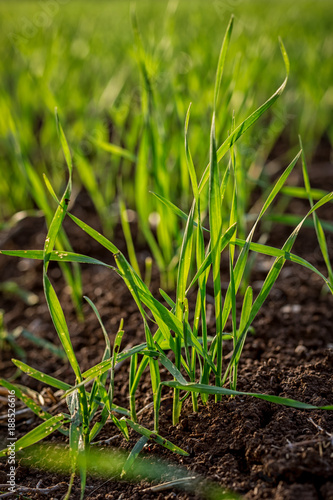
248,446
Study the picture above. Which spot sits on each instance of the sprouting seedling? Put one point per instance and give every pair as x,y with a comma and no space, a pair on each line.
197,355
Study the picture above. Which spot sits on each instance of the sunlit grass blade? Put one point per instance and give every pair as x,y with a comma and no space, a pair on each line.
106,337
210,389
233,378
277,252
56,256
184,264
168,299
300,192
220,64
42,377
64,144
293,219
189,161
104,366
95,234
161,313
167,363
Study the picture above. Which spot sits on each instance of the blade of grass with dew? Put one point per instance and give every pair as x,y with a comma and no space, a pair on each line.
42,377
56,256
53,303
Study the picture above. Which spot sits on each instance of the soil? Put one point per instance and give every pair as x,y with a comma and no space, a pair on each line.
254,448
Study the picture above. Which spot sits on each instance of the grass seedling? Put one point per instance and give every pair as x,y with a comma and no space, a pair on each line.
196,356
174,330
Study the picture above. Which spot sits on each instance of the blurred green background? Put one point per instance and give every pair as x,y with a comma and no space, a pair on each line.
80,56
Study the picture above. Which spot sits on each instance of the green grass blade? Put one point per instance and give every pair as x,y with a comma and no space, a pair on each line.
242,258
56,256
59,322
42,377
98,316
168,299
95,235
189,161
167,363
215,223
162,314
64,144
293,220
222,56
209,389
276,252
104,366
184,264
128,236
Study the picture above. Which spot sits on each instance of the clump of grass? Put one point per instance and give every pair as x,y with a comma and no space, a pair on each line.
195,355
